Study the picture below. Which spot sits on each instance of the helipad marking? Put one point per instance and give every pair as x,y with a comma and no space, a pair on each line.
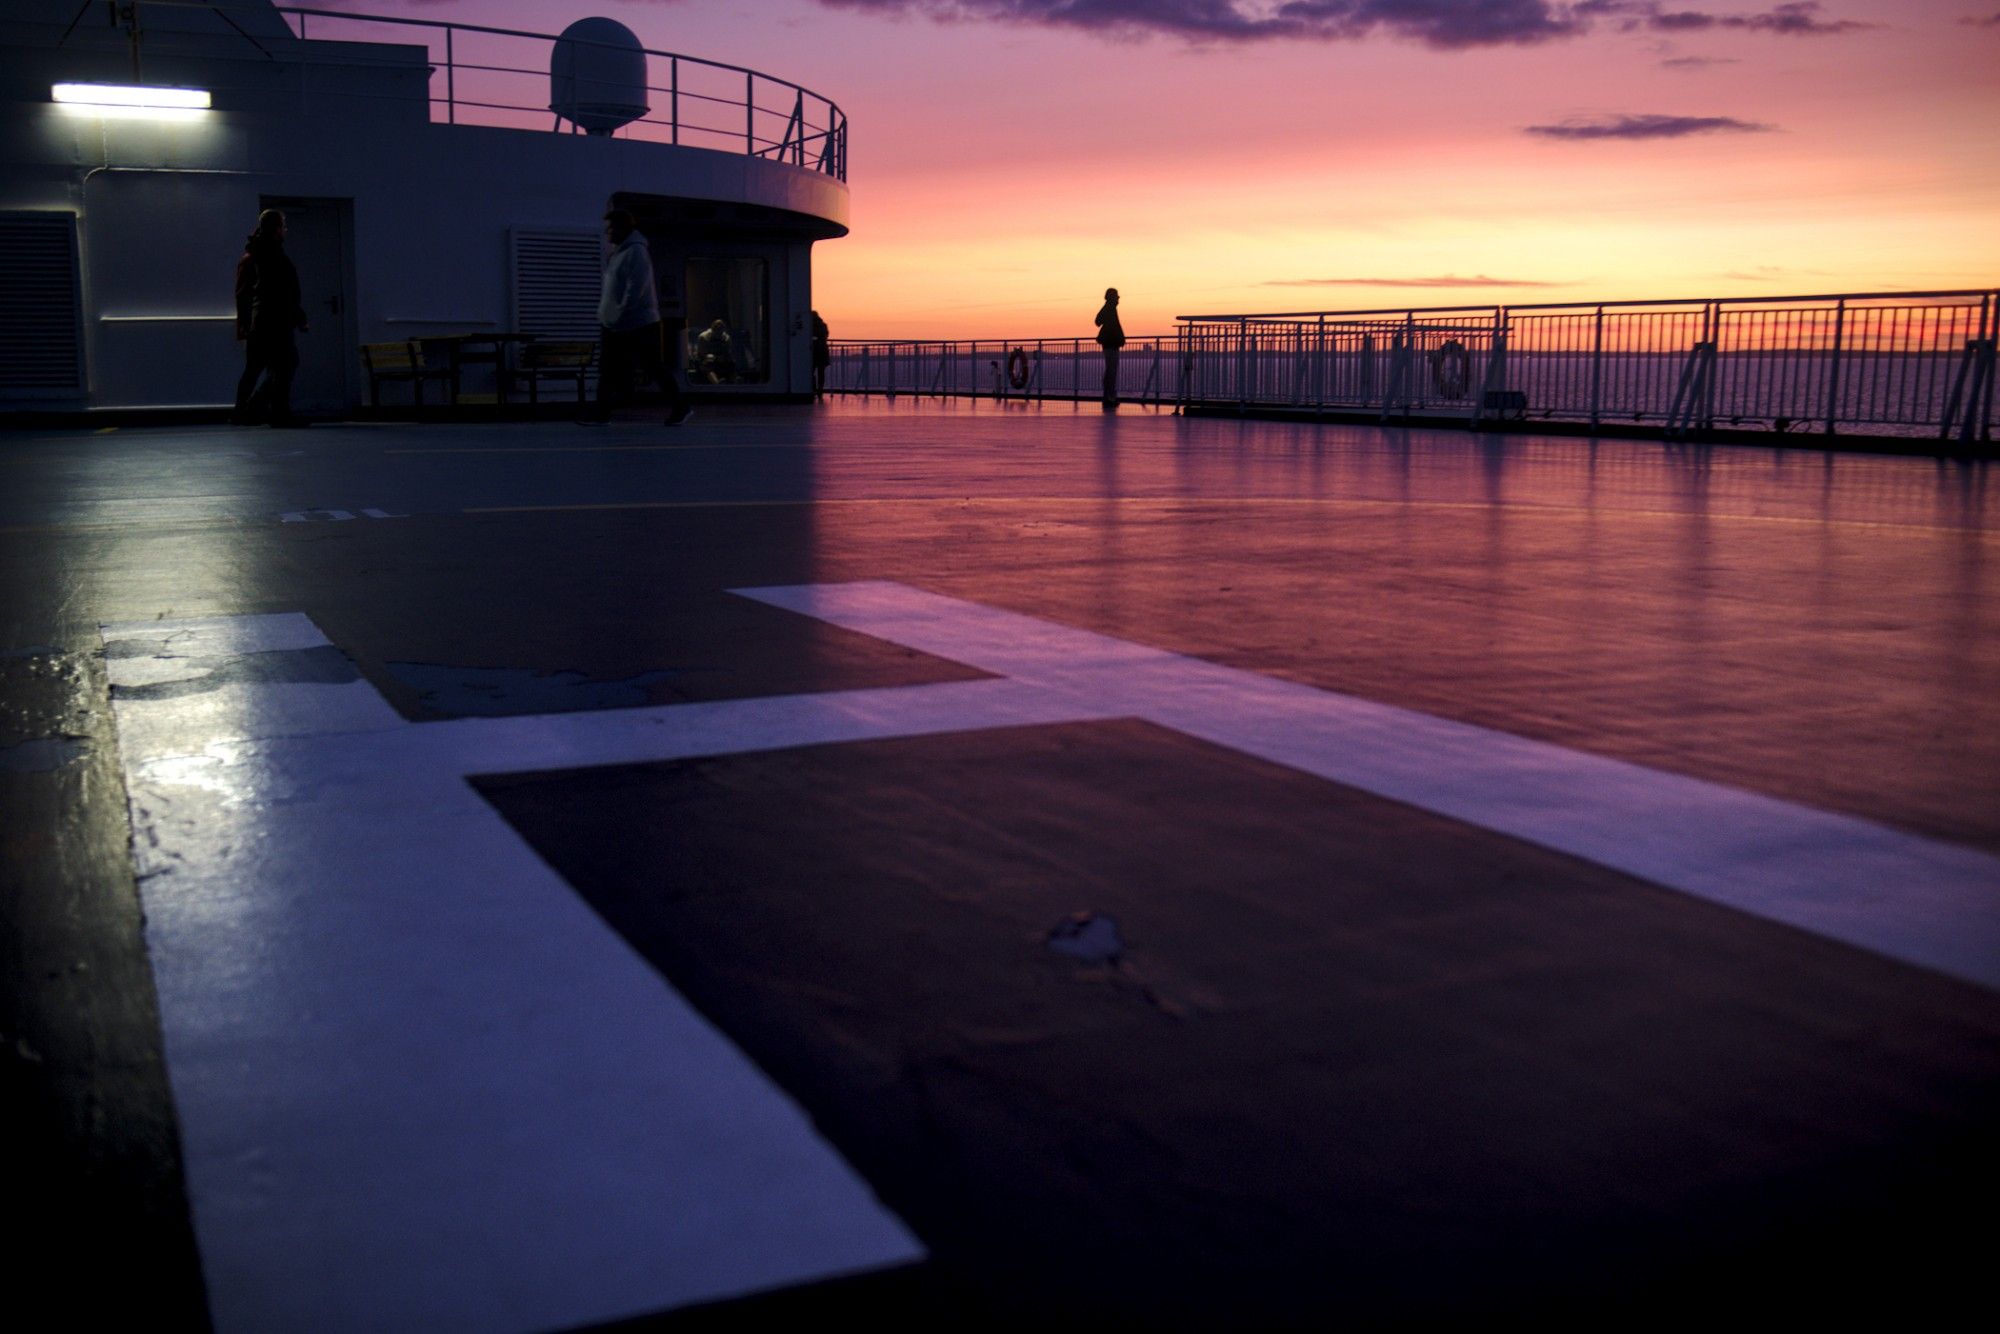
1936,905
420,1084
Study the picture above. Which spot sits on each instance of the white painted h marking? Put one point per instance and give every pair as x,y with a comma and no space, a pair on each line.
422,1085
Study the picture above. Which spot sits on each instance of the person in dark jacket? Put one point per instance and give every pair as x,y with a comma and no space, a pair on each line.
269,317
1110,337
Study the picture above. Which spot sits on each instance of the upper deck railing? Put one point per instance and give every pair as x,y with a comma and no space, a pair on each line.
500,76
1907,364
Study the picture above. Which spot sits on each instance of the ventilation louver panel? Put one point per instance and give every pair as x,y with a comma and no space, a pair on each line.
556,279
41,346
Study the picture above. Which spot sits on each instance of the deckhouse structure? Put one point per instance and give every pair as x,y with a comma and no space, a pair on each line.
440,179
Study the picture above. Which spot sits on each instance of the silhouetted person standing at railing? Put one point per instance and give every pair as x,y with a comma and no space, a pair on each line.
628,312
822,354
1110,337
269,318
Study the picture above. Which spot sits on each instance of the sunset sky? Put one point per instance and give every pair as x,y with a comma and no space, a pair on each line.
1011,158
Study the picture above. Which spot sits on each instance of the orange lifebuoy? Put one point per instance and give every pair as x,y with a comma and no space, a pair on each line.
1017,368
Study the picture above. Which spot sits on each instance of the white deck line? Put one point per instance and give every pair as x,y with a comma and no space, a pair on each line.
1932,904
422,1086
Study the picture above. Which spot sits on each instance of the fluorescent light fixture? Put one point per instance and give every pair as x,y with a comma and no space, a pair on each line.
130,95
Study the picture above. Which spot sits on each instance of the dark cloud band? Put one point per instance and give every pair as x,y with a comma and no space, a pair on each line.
1801,18
1648,127
1447,24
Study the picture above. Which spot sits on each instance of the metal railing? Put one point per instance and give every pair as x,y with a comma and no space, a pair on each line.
1004,368
1905,363
1909,364
486,76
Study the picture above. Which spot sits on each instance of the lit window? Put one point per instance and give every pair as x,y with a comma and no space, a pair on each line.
729,326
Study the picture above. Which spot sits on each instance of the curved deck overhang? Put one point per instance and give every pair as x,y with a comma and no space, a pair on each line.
713,188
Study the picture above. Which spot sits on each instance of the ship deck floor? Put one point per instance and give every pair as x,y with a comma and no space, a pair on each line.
918,859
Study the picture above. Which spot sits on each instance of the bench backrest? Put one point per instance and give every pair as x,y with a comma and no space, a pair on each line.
381,357
558,354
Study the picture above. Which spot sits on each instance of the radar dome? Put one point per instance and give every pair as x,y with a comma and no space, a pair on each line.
597,76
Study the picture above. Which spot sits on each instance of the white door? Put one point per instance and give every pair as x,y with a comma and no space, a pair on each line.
316,240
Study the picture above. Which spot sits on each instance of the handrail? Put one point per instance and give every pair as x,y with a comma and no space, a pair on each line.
1905,364
830,158
1169,335
362,16
1973,293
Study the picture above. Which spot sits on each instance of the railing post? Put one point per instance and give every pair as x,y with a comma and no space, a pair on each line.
1495,379
674,103
1989,324
749,114
1833,364
1242,365
1713,367
1183,365
1320,369
450,80
1597,372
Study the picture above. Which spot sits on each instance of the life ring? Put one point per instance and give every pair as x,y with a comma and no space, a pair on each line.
1017,368
1451,367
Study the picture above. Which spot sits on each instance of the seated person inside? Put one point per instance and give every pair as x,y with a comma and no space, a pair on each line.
714,359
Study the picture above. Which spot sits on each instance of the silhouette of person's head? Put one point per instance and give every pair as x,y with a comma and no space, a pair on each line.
1111,295
619,224
270,226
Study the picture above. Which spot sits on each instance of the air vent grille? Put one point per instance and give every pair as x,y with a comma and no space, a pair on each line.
41,345
556,281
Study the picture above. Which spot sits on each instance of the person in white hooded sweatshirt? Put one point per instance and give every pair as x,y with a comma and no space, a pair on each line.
629,313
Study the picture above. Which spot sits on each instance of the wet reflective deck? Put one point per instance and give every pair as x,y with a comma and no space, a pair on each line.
925,859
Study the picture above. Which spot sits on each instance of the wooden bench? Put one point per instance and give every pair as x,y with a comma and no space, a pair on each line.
398,361
555,359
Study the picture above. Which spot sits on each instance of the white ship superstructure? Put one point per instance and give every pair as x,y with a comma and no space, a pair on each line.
125,197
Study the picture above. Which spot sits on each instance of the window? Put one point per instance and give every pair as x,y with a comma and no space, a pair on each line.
729,323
